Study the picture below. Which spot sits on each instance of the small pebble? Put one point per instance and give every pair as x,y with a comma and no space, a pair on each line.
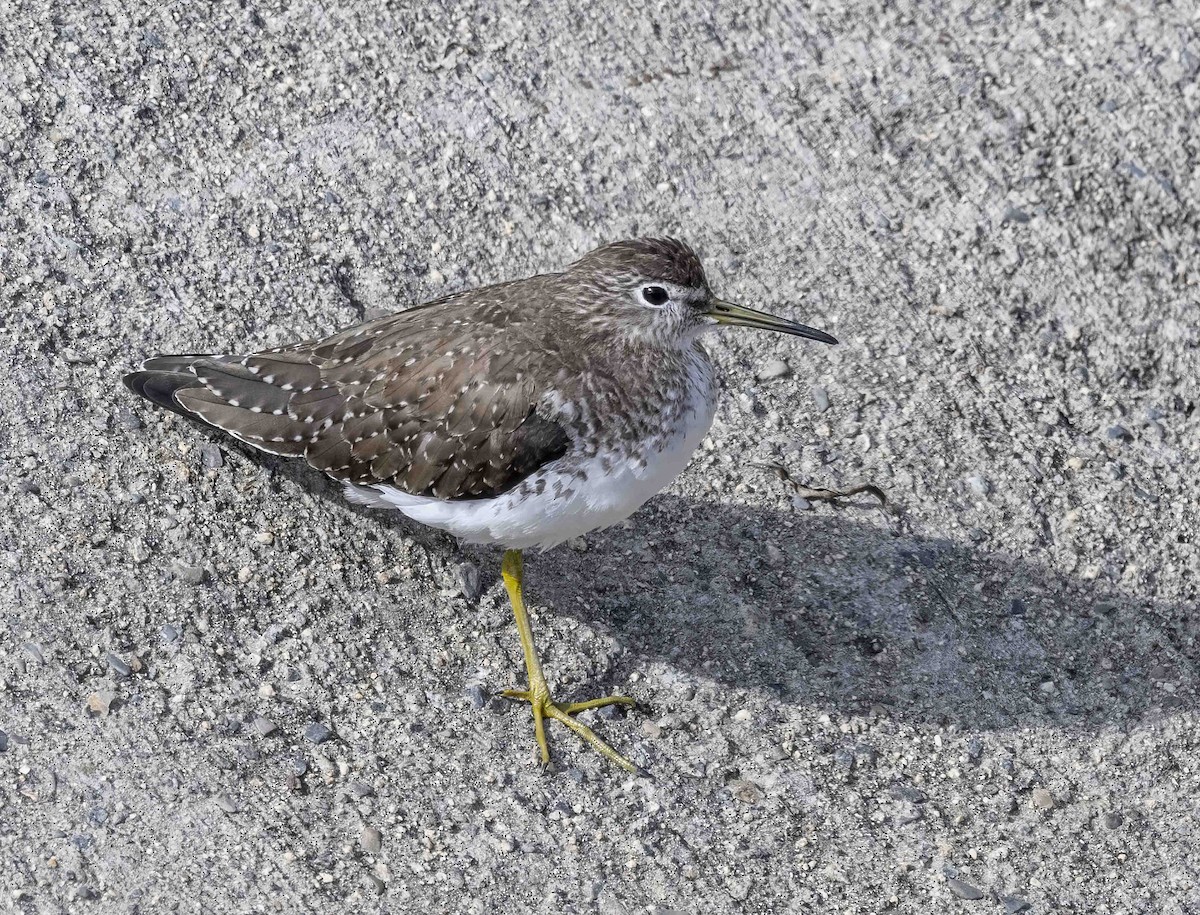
1118,433
168,633
99,703
3,742
1113,819
772,369
908,793
34,650
127,420
371,840
264,726
139,550
820,397
227,803
298,765
746,791
1043,799
748,403
469,582
117,665
477,695
317,733
1013,905
191,574
979,485
963,890
611,712
211,457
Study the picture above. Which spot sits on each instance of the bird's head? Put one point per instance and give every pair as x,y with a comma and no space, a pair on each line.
655,288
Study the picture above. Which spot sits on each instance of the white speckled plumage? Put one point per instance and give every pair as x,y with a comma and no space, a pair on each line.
578,492
521,414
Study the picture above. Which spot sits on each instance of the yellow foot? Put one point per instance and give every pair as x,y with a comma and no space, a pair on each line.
544,707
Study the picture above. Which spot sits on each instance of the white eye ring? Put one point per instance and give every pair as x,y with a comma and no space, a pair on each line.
655,296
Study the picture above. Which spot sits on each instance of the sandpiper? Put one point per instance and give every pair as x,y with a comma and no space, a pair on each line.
521,414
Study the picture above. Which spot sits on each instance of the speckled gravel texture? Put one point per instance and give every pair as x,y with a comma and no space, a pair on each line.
223,690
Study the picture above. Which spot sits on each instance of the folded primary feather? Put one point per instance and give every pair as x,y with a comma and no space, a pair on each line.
433,401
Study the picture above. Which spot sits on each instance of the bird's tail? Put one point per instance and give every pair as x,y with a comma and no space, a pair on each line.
253,398
161,378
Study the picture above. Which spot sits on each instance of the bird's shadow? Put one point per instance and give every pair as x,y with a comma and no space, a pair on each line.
834,608
844,609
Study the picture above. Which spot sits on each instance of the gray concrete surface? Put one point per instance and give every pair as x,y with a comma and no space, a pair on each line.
984,703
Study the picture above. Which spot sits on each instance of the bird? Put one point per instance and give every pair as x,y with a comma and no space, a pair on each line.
521,414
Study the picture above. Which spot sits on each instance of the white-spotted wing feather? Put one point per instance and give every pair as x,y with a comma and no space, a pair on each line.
572,495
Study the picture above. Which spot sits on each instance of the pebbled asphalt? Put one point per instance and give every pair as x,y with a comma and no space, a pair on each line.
223,690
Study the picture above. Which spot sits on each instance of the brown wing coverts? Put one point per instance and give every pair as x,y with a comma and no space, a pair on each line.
421,400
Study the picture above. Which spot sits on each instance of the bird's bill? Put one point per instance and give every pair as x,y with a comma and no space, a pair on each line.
727,313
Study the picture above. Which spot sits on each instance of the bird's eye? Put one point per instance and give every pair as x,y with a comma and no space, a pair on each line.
654,295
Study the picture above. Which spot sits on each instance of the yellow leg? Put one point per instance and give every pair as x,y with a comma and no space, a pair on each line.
538,693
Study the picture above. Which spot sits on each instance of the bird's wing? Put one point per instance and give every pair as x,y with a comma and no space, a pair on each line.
433,401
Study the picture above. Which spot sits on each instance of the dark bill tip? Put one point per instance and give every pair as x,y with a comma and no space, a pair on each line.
739,316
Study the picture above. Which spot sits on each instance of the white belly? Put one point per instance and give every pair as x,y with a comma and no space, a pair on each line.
566,506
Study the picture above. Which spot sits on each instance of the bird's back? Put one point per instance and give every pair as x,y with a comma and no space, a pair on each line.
565,399
438,400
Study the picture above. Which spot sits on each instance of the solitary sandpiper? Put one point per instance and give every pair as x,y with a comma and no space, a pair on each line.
521,414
